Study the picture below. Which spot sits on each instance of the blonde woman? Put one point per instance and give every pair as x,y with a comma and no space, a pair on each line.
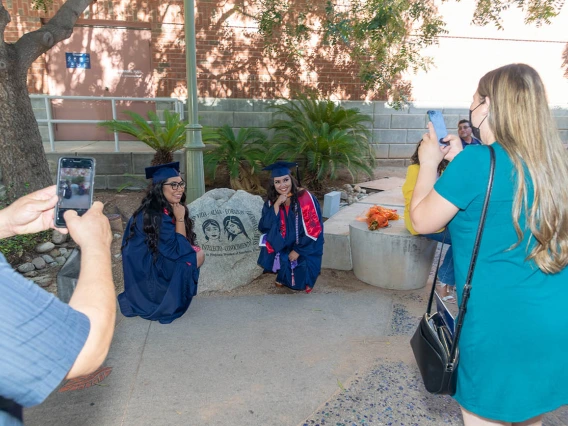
515,336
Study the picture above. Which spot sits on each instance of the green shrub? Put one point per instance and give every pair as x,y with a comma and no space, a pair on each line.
242,155
164,139
325,137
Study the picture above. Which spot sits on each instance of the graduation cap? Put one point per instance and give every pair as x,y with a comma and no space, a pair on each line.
282,168
162,172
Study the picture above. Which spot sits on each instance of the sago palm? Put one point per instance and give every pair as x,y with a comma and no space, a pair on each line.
323,135
242,155
165,138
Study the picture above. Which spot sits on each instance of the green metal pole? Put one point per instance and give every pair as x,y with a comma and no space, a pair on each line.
193,144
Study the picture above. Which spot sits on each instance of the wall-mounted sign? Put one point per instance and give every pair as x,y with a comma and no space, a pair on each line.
78,60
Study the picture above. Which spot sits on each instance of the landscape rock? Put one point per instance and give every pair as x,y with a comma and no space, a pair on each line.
31,274
352,199
344,196
54,253
62,251
117,236
60,260
47,258
58,238
43,281
53,264
226,225
39,263
45,247
26,267
347,188
357,188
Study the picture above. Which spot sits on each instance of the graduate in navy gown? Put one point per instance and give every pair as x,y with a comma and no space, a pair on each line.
160,258
293,227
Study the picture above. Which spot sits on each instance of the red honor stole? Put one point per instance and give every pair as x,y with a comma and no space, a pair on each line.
310,219
269,248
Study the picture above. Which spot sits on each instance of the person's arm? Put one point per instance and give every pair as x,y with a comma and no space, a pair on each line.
179,214
429,212
94,295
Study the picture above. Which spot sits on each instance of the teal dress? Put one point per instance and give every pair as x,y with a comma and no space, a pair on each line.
514,343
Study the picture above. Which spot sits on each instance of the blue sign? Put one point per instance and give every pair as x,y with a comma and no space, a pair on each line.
78,60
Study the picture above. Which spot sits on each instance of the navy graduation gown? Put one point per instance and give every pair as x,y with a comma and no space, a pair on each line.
308,269
161,290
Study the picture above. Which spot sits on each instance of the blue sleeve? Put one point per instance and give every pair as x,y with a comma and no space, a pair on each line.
40,338
270,225
466,177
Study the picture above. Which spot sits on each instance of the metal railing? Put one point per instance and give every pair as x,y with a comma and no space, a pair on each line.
178,107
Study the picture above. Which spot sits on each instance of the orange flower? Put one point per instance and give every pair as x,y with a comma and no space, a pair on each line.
378,217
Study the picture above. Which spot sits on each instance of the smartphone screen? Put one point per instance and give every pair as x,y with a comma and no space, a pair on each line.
437,120
75,182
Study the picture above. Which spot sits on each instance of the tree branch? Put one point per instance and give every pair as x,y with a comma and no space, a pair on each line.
31,45
4,21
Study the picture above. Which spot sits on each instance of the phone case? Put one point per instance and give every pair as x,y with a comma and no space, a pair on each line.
437,120
66,190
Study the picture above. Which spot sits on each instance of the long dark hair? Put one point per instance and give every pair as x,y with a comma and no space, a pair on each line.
152,207
414,160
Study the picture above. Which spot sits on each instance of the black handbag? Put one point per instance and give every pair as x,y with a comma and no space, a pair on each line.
435,347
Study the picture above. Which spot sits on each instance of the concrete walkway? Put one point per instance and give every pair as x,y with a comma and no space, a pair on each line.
258,360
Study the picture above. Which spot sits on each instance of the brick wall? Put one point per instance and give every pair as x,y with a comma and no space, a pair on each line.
230,58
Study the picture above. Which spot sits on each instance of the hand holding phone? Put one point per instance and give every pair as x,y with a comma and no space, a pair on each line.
75,186
29,214
437,120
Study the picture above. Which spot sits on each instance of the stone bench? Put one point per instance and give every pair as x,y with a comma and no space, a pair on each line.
337,248
390,258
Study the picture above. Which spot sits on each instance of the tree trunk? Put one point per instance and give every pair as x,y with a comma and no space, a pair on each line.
22,158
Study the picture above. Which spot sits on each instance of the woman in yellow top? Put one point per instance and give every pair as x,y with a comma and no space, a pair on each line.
446,271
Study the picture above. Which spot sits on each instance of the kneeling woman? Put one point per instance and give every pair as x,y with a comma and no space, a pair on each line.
159,256
292,224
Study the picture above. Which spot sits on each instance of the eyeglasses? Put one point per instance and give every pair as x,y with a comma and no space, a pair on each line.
463,127
176,185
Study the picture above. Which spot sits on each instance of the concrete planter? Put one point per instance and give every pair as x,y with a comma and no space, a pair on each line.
390,258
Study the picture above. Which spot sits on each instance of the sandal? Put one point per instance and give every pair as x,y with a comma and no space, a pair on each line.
277,284
449,299
308,290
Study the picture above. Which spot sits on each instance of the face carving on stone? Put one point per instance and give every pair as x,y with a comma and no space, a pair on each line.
234,228
212,230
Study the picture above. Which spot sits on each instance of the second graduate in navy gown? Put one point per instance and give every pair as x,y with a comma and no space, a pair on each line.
159,255
292,244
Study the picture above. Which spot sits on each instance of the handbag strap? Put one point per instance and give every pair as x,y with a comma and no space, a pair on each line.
431,298
467,286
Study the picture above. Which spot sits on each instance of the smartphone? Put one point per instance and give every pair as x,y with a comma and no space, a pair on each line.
437,120
75,185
